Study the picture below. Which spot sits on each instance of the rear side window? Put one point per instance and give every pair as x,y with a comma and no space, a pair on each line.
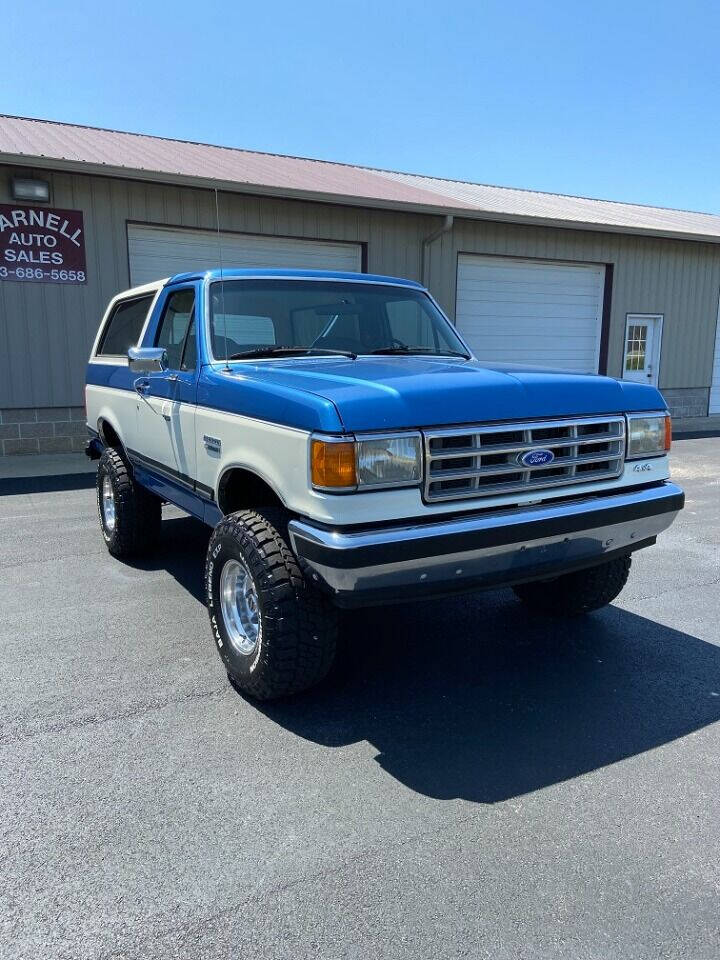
123,329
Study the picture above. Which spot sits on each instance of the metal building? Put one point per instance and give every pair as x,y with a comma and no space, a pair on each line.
559,281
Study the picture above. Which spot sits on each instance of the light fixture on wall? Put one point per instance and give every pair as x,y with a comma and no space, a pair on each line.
37,190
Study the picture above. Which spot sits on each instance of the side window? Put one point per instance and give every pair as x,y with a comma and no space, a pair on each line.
176,328
124,327
409,325
189,357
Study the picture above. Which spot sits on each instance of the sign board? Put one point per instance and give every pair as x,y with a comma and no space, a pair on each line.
41,244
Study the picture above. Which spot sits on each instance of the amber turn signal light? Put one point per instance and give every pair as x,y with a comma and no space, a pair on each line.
668,432
333,464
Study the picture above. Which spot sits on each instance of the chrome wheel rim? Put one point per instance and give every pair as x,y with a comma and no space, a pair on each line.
108,504
240,607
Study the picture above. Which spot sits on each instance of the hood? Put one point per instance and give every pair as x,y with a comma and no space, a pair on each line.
379,393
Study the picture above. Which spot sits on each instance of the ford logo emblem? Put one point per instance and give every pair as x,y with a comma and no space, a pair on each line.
536,458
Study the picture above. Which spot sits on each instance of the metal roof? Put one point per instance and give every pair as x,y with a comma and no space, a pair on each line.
48,144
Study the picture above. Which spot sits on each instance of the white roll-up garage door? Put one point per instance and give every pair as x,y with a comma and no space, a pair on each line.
157,252
537,312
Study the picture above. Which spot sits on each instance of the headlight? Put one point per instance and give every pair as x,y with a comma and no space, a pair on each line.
648,435
343,465
385,461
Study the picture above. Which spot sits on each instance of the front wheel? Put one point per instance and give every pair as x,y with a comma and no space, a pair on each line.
577,593
275,634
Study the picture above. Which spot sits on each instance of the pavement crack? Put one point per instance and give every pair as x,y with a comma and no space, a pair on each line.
688,586
261,893
145,709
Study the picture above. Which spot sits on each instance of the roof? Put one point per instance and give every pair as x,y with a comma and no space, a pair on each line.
48,144
230,273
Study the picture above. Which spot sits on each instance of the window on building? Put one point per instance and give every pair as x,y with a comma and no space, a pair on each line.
124,327
636,346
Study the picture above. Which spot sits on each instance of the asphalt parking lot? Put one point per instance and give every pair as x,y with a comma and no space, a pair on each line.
474,783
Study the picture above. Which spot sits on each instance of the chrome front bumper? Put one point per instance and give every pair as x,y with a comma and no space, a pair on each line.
426,559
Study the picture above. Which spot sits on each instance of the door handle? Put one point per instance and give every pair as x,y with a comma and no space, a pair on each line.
142,385
167,410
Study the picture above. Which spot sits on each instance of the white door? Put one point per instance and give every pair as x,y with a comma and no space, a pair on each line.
157,252
643,334
715,387
166,402
536,312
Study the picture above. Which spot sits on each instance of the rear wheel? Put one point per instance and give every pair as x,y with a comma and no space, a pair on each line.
577,593
275,634
130,516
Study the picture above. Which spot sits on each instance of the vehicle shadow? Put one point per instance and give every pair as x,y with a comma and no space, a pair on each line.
477,698
13,486
181,552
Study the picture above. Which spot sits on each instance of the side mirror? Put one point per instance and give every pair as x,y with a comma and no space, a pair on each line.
148,359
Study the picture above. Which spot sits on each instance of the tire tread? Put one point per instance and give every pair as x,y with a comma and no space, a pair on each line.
138,512
300,624
577,593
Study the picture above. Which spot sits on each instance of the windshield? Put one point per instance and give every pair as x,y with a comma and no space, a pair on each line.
268,317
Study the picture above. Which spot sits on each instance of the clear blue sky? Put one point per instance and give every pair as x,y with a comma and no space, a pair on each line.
613,99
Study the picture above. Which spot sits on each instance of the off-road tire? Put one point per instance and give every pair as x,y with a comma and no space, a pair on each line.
138,513
577,593
298,625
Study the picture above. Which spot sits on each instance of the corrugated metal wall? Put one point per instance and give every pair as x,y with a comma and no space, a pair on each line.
680,279
46,329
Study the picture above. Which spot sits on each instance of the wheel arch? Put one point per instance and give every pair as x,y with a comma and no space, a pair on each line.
110,433
240,487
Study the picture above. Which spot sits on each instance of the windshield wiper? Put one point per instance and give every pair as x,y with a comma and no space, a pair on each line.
320,350
291,352
412,350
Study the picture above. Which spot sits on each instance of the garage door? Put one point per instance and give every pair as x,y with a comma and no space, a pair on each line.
531,311
157,252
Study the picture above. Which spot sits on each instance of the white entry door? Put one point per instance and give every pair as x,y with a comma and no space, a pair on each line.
643,335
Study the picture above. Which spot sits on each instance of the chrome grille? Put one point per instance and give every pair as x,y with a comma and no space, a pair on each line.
482,461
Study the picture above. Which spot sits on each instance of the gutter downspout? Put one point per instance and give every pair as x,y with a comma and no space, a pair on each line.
445,228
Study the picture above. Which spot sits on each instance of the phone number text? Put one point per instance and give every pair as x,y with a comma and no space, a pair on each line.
37,273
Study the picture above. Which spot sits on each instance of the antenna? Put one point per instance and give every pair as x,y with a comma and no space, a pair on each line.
222,281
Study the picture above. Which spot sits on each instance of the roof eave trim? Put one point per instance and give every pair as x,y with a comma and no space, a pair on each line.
255,189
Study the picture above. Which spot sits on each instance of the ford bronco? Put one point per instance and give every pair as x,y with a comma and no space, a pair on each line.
346,447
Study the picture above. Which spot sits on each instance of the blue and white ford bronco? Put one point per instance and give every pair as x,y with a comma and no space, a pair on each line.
347,449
